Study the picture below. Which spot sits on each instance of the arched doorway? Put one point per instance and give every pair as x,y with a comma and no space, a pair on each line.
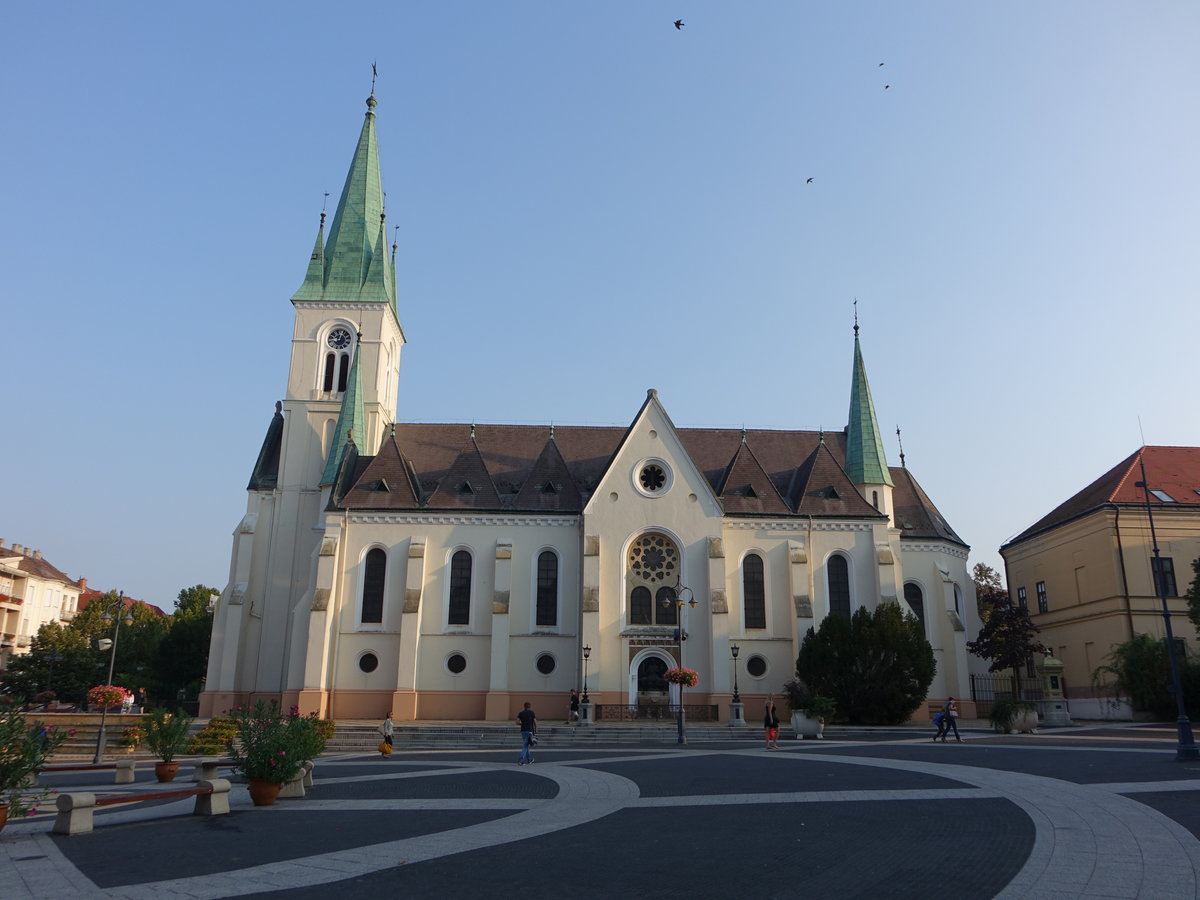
648,686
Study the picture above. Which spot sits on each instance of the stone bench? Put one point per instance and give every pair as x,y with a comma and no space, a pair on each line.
123,770
75,810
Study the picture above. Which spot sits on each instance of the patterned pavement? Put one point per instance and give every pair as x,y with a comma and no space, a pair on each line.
1076,813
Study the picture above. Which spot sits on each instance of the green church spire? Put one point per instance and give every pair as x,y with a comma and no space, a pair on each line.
357,238
865,462
351,420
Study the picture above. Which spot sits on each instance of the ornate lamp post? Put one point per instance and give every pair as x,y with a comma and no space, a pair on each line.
111,614
679,601
1186,750
587,651
735,649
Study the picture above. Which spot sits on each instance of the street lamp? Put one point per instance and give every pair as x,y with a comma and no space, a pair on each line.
587,651
111,614
735,649
1187,749
679,601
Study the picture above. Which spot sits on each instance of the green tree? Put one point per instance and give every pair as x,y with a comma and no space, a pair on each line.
877,666
1193,595
183,653
989,589
1008,638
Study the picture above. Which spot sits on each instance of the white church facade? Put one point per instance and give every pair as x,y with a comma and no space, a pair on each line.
455,571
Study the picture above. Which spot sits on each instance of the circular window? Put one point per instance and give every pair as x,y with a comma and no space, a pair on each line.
756,667
546,664
652,477
456,663
368,662
653,558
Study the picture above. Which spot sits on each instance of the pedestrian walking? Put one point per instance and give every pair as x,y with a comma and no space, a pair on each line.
527,719
573,715
951,720
771,723
387,729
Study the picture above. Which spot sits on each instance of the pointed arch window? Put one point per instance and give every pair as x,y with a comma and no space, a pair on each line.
838,576
754,594
665,608
460,589
547,588
330,368
915,599
374,575
653,559
343,371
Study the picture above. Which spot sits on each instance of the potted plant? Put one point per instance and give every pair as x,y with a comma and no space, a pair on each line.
798,698
1014,716
24,746
682,676
166,736
270,748
821,708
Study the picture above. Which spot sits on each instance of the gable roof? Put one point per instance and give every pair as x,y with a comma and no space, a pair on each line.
1173,470
747,489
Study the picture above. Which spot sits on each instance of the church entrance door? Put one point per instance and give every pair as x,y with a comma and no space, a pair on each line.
653,693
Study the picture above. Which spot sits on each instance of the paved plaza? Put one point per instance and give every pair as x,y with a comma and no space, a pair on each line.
1083,812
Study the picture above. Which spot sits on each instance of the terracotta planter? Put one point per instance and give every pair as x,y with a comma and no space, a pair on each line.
263,793
166,771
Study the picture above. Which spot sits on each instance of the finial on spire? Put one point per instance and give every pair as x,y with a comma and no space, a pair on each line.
901,447
822,434
393,434
743,434
395,240
278,406
324,203
472,431
856,317
374,75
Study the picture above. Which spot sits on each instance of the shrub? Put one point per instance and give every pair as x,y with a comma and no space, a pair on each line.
24,746
213,737
1141,670
167,733
876,666
272,746
797,694
1004,713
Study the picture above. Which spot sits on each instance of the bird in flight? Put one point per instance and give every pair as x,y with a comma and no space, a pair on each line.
679,24
881,64
810,181
886,87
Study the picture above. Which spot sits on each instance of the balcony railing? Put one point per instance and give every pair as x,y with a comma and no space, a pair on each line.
9,598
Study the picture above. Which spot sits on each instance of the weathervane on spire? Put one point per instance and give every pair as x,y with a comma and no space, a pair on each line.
901,443
374,75
856,317
324,203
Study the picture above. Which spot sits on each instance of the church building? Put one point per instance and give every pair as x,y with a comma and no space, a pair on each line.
455,571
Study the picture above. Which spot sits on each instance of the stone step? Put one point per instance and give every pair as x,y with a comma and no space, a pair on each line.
356,736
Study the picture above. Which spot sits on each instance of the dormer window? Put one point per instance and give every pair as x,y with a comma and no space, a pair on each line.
465,488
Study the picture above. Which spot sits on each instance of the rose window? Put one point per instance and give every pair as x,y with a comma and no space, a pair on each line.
654,558
653,478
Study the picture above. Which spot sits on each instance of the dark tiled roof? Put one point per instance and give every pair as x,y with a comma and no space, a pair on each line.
36,568
1173,470
508,467
89,595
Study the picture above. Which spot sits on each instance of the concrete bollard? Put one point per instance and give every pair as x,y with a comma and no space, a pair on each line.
206,770
293,789
74,813
308,770
124,771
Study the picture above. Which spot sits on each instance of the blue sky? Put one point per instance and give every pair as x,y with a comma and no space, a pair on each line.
591,203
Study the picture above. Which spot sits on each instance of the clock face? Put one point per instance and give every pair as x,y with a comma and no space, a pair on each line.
339,339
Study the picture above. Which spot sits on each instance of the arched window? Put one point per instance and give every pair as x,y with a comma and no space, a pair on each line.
639,607
547,588
665,610
343,371
330,367
754,594
916,601
374,571
460,589
653,563
838,574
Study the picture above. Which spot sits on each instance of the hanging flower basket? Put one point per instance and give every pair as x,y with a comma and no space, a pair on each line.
685,677
106,696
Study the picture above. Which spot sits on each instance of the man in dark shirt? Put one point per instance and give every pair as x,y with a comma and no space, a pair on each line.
527,719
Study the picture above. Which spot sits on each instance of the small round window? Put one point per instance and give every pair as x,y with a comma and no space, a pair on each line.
652,478
368,662
756,667
456,663
546,664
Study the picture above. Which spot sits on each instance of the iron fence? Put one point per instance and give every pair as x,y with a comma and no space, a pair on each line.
987,689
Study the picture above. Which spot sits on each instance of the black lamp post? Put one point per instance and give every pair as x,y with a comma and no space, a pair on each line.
735,649
587,651
679,601
52,657
112,613
1187,749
